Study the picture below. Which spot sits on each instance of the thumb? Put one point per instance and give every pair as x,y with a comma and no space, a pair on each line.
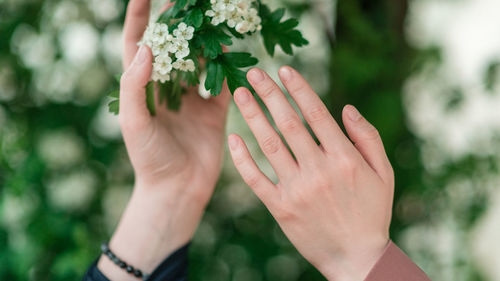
367,140
133,110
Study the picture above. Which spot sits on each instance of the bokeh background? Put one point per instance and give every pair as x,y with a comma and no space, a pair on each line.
425,72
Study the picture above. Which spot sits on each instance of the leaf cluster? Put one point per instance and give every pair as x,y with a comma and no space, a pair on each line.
208,43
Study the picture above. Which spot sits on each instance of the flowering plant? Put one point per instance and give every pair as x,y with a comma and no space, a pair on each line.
196,30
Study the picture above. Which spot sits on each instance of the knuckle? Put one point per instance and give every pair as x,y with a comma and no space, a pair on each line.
371,133
251,114
290,124
239,160
271,145
299,88
267,90
318,113
252,180
284,213
347,163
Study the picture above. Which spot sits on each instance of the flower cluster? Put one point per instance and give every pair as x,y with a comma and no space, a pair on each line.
238,14
166,46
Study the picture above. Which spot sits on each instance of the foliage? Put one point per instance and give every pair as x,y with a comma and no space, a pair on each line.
210,36
64,172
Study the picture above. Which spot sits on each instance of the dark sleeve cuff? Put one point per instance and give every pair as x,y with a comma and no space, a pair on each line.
394,265
174,268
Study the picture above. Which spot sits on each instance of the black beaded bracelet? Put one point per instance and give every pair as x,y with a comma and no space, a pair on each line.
122,264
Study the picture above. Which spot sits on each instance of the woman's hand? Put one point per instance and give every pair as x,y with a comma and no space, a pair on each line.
176,158
333,201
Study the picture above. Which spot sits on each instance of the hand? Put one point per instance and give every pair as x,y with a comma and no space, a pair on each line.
176,156
333,201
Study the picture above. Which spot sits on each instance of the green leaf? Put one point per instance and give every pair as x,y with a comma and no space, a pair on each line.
240,59
227,66
114,94
118,77
212,39
215,77
276,32
179,5
114,107
191,78
150,98
194,18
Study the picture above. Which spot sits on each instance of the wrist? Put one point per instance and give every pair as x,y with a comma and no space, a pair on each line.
356,263
157,221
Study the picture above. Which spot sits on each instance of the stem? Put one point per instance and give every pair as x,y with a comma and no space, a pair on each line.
150,98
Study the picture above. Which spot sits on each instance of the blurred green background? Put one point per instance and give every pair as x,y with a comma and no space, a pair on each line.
425,72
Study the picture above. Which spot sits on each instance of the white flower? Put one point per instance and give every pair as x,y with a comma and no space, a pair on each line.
180,48
233,18
184,32
155,76
238,14
244,5
160,33
228,5
243,27
162,64
253,20
184,65
163,48
217,16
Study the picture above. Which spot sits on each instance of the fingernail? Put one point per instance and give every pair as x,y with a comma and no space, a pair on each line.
285,73
140,57
256,75
353,113
242,97
233,142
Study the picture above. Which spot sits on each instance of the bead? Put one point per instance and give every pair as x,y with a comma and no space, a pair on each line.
104,248
116,260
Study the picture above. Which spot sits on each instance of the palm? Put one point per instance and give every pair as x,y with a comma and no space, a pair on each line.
186,143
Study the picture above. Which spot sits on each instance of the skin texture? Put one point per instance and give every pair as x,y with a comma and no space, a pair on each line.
333,200
176,156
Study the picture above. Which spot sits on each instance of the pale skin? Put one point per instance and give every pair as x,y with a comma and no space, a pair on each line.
176,156
333,200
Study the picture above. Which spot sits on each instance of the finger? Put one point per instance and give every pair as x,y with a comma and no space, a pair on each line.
133,109
136,21
368,142
314,111
288,121
250,172
269,141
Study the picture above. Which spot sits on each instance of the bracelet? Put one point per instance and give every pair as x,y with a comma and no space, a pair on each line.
122,264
